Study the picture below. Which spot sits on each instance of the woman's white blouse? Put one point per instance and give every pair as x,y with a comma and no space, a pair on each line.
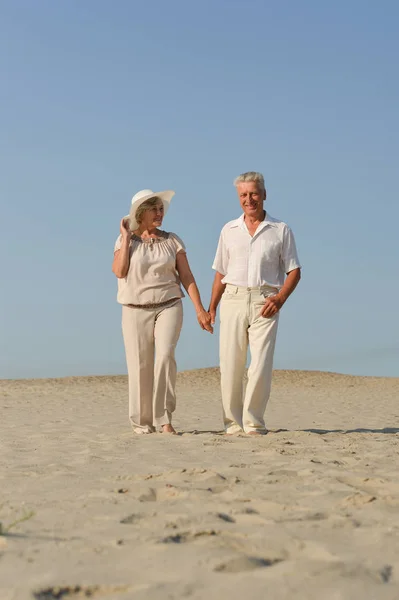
152,277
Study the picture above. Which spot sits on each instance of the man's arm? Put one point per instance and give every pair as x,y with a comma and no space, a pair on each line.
217,291
274,303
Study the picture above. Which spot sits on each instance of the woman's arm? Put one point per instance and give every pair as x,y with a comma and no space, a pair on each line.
120,265
189,284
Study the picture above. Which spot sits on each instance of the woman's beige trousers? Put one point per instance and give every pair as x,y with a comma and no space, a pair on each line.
150,337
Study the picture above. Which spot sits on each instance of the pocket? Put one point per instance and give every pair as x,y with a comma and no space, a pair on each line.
229,292
270,250
267,293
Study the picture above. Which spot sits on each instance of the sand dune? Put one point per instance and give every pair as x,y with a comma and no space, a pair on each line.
309,511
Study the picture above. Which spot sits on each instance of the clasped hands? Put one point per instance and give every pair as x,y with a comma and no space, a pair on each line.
204,320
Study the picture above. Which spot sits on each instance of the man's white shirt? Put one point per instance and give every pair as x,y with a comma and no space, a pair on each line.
263,259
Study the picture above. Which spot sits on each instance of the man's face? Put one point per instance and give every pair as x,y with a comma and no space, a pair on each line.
251,198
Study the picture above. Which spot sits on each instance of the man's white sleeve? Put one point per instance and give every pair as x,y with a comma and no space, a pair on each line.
289,254
221,257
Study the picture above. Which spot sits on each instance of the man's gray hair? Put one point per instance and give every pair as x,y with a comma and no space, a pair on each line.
251,176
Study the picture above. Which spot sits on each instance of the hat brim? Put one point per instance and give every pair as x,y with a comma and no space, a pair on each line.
166,196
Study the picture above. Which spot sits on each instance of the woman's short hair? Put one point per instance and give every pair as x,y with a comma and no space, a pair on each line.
150,203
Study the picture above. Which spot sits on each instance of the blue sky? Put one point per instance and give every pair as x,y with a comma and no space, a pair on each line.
100,99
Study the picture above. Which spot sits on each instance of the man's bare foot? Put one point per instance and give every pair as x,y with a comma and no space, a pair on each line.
168,429
257,432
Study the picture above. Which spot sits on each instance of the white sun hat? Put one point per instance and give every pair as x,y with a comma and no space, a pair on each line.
142,196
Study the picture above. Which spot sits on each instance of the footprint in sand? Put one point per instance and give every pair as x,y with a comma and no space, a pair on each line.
77,591
148,496
131,519
181,484
245,563
357,499
199,476
386,573
226,517
377,487
188,536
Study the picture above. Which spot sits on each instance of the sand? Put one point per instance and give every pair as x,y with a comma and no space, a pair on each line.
311,510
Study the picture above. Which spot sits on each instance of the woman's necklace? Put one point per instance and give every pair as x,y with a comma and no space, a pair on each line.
150,240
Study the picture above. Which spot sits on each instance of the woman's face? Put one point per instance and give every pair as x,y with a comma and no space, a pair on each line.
153,217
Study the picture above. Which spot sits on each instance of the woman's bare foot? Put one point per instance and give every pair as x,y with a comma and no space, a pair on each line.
168,429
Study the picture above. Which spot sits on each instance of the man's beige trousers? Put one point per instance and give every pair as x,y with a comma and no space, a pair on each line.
241,325
150,337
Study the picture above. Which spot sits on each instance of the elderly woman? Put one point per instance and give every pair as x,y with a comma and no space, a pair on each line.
150,264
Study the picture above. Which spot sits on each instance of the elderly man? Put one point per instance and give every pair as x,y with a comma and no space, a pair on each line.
257,269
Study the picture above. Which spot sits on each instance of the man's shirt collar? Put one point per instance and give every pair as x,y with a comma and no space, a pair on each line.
268,220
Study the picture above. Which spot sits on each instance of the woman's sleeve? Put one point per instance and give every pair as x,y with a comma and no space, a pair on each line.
118,243
178,242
